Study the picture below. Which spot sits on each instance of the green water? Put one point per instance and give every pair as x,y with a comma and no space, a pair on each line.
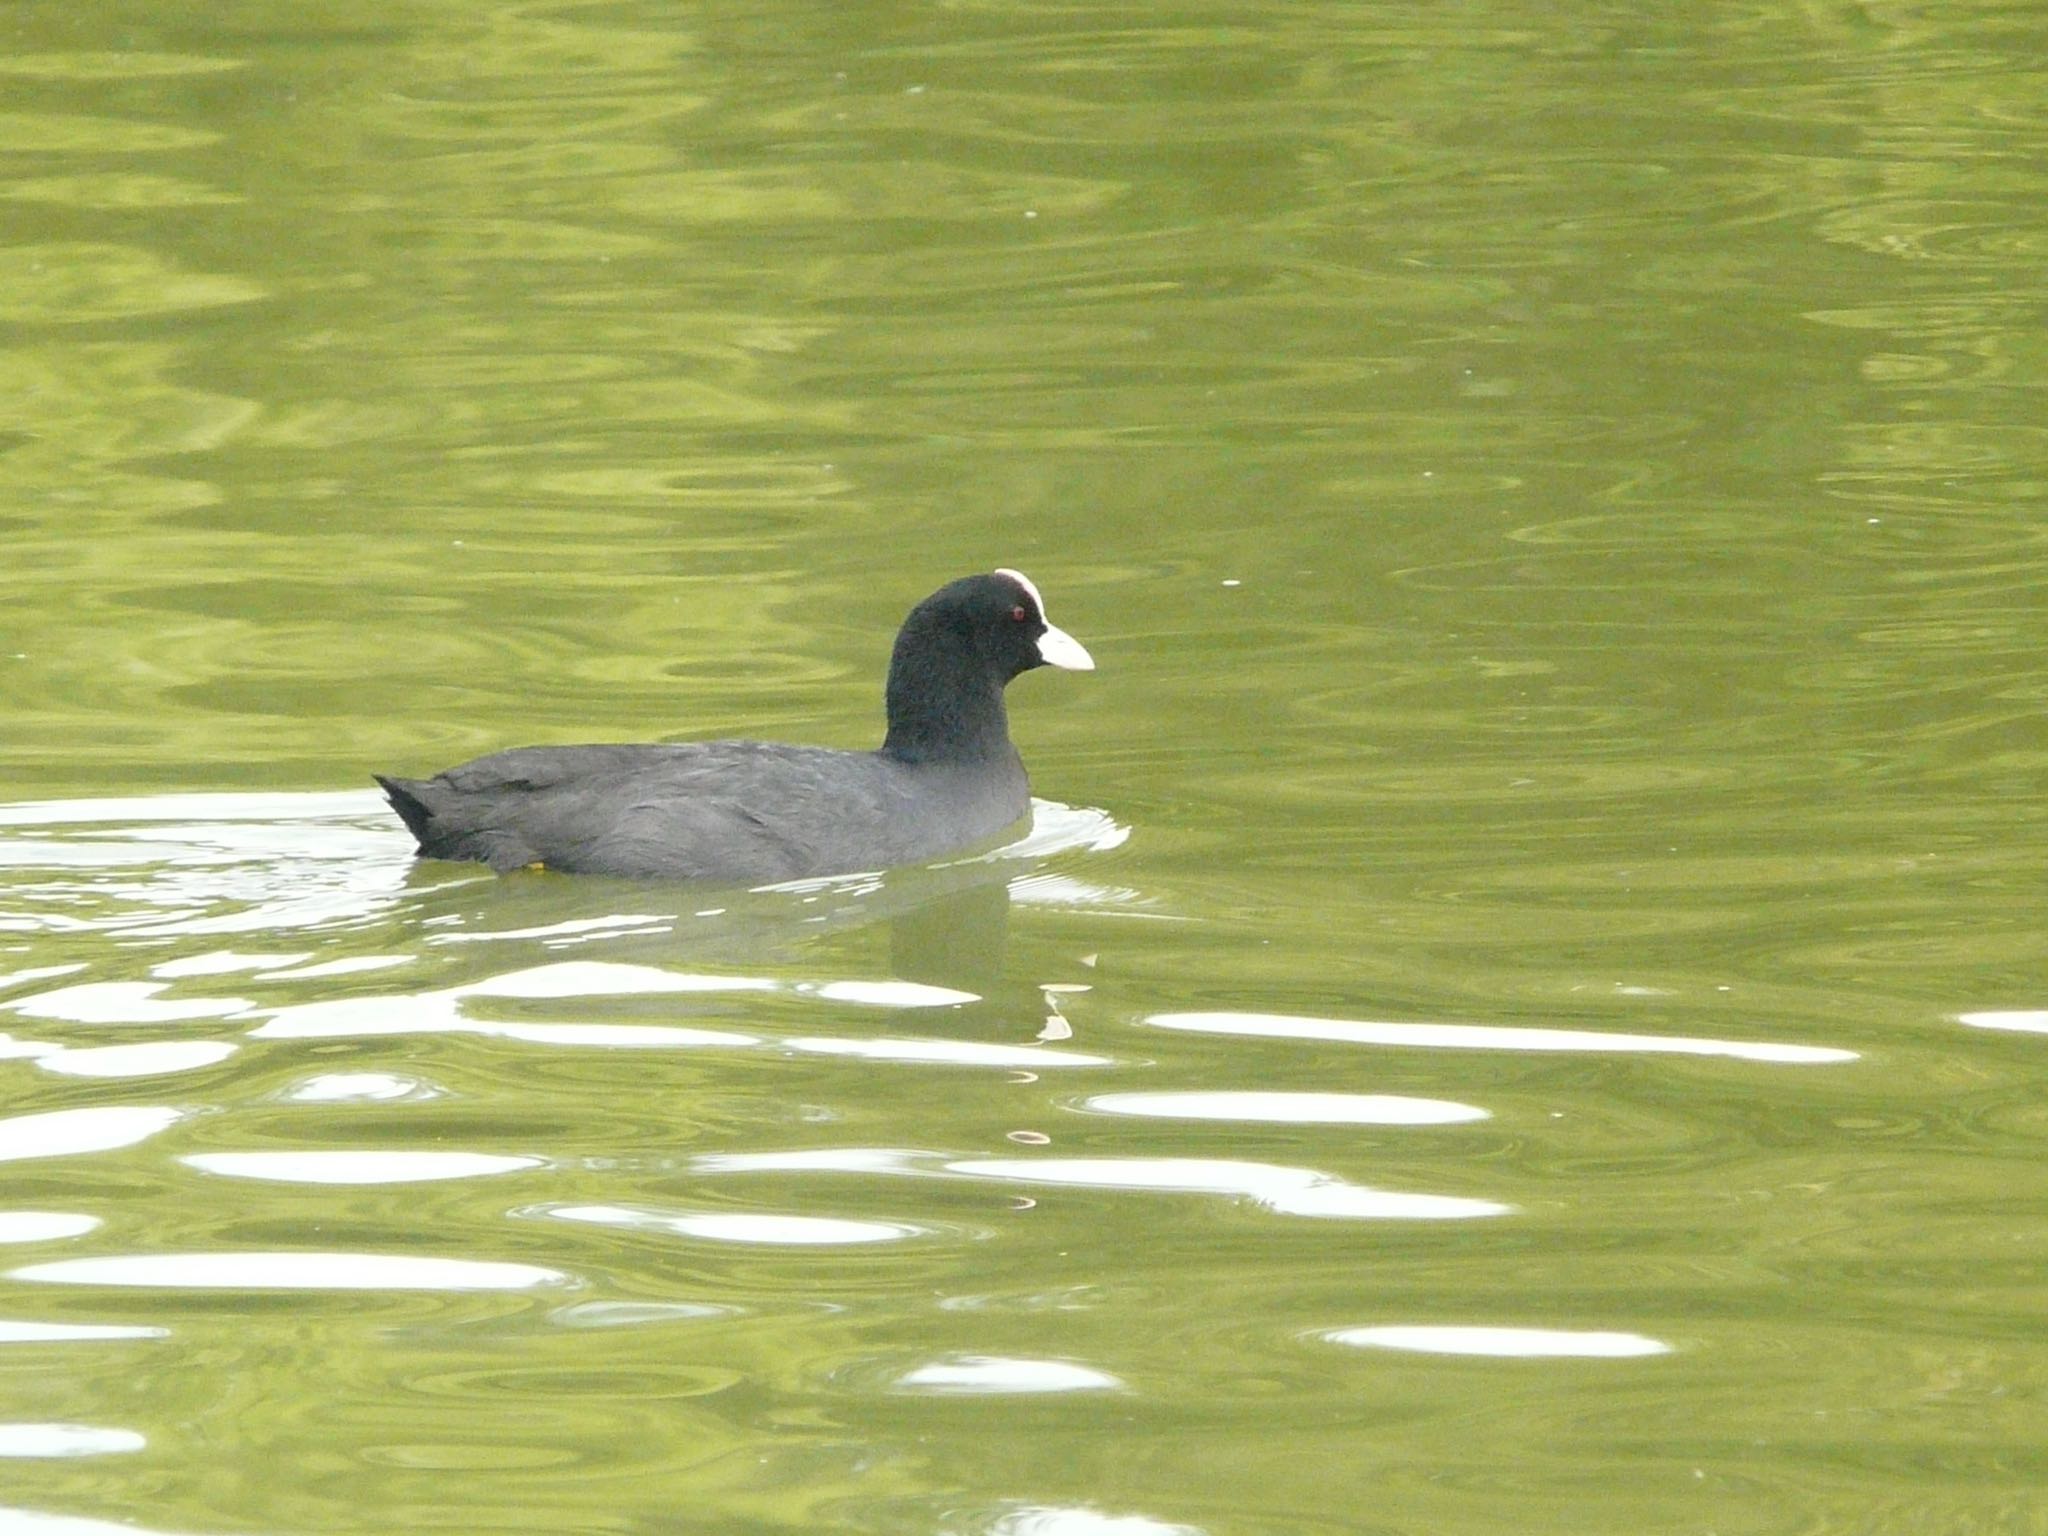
1523,1007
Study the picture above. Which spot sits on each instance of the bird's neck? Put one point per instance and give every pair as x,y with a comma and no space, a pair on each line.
944,707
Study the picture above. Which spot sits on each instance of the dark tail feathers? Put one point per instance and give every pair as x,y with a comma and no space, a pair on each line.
412,810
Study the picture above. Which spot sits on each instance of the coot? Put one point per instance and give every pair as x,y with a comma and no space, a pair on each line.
944,777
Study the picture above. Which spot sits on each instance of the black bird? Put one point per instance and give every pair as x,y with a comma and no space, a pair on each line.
946,776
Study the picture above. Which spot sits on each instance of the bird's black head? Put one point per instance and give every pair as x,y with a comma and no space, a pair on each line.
953,656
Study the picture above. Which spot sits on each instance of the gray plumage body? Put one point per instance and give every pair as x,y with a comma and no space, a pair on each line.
672,812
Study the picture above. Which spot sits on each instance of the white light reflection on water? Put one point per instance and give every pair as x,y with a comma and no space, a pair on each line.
888,994
1492,1037
337,1167
151,1060
49,1440
955,1053
39,973
605,978
174,865
294,1271
61,1132
212,863
893,1160
1503,1343
276,864
1057,828
443,1010
742,1227
633,1314
122,1002
619,1036
348,965
20,1331
575,930
254,806
1000,1375
44,1226
1288,1108
1287,1191
222,962
358,1087
36,1522
2025,1021
1049,1520
1054,829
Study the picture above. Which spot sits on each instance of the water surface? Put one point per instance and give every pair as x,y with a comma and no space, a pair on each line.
1520,1009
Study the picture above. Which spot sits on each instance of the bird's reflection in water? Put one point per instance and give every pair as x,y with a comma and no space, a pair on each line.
305,896
946,926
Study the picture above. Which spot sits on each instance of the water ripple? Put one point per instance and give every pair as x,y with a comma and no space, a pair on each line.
46,1440
44,1226
1251,1106
1002,1376
307,1271
779,1230
340,1167
1493,1037
1287,1191
1502,1343
65,1132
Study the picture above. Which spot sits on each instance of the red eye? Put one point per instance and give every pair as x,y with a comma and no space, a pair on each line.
1020,614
